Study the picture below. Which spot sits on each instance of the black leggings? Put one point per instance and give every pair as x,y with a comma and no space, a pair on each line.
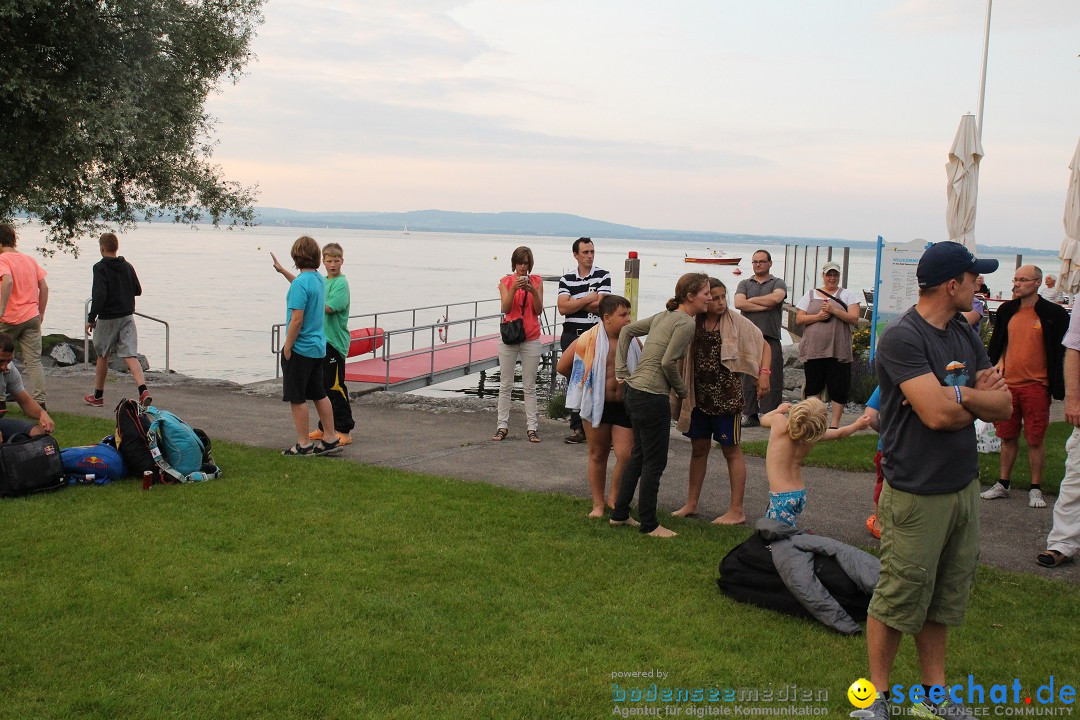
828,373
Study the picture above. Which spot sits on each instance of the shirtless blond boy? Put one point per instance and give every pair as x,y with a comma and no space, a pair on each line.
791,437
614,426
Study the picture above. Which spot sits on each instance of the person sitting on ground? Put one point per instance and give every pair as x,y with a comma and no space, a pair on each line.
112,319
336,327
303,350
589,363
726,346
13,387
791,436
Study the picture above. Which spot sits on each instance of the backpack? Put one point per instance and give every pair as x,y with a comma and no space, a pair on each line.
30,465
103,461
747,574
178,441
159,441
133,438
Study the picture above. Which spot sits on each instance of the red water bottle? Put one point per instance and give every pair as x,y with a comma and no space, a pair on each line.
147,479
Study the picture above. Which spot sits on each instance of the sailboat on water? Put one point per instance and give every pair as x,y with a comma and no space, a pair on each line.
405,231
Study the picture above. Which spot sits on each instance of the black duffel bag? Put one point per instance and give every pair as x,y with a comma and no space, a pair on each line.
30,465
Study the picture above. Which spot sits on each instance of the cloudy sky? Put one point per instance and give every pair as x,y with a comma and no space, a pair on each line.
818,118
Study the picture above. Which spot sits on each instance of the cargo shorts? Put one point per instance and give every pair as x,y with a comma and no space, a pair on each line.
929,554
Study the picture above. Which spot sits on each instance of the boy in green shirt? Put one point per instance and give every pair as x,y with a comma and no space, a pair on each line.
336,326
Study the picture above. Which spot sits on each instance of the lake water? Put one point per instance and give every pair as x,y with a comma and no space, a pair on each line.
220,295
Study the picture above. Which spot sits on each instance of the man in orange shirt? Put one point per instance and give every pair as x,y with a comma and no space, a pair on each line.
23,297
1026,348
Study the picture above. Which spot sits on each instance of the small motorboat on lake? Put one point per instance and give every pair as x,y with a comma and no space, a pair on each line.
713,257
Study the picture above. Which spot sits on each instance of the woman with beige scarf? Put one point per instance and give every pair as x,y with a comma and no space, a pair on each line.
725,344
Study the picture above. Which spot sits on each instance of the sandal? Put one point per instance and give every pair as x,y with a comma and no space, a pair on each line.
500,434
324,449
299,450
1052,558
870,523
533,436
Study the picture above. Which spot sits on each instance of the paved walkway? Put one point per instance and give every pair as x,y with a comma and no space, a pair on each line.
424,435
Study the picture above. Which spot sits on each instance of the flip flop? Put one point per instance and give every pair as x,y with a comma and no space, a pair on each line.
1052,558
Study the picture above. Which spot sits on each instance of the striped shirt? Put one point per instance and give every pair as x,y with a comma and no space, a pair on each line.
1072,337
574,286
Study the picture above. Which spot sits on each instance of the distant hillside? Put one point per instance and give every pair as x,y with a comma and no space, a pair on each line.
516,223
555,224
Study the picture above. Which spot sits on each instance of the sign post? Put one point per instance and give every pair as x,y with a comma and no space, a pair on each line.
630,284
896,288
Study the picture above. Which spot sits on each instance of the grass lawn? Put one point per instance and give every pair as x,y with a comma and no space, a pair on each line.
318,588
857,453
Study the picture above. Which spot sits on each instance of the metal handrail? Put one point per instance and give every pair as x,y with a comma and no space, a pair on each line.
431,328
86,336
276,328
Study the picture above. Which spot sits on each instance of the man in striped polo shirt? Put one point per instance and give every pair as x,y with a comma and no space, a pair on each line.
579,300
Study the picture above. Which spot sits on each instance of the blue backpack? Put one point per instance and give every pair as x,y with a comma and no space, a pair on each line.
183,453
103,461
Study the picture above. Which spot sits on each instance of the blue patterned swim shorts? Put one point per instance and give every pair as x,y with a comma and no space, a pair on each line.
786,506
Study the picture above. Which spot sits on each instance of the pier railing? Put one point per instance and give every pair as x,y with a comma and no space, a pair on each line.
410,339
86,336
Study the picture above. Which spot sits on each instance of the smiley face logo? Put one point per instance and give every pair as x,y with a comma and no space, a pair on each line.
862,693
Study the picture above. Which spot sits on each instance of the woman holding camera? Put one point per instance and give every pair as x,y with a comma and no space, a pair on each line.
522,296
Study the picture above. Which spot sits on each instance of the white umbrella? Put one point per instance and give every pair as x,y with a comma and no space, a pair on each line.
1070,246
963,189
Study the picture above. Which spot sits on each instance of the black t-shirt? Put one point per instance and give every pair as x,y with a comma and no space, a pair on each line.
915,458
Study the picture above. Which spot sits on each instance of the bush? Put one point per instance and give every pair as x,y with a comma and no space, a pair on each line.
556,406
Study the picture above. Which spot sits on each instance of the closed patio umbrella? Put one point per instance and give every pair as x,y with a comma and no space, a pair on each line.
963,188
1070,246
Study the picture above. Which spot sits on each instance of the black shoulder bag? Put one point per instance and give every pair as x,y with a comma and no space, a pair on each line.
513,331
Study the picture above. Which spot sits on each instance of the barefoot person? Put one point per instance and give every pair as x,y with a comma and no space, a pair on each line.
589,363
646,399
726,346
791,436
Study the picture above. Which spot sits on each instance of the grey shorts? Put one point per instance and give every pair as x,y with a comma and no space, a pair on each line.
116,335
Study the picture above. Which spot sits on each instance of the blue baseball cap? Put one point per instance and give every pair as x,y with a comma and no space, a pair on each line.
945,260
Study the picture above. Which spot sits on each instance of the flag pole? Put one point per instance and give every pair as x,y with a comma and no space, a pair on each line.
982,87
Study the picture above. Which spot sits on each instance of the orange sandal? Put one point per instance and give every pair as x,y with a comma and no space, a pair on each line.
871,522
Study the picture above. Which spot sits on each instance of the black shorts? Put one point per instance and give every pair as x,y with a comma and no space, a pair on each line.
828,373
302,379
615,414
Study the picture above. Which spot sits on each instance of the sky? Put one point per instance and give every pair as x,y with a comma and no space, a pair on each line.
808,118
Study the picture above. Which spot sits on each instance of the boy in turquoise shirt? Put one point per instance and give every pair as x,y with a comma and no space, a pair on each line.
303,350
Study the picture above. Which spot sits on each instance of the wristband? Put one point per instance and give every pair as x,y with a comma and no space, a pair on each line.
764,371
959,397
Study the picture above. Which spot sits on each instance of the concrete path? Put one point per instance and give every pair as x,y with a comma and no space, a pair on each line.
450,438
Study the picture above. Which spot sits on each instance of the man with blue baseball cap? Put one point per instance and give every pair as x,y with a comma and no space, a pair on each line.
935,379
